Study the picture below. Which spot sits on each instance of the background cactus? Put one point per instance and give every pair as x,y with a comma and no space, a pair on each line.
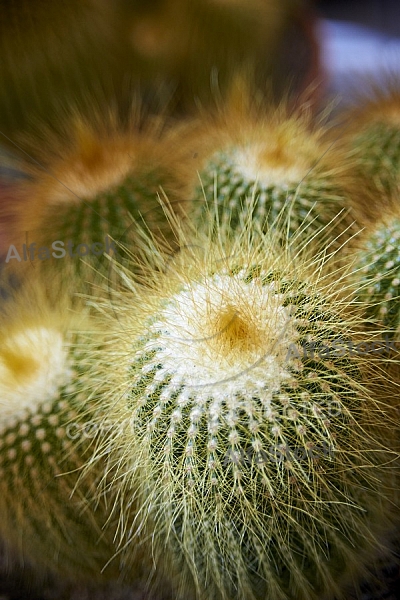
48,516
171,35
369,134
377,150
114,51
257,445
85,194
273,160
379,275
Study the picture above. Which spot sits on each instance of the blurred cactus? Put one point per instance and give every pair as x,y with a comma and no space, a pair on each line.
96,53
379,279
48,516
275,163
369,133
87,196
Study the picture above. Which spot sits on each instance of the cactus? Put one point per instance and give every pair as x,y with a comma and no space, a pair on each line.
277,164
247,432
228,36
82,201
377,148
370,134
46,437
379,275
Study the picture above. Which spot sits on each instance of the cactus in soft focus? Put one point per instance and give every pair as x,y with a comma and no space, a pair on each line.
377,148
370,137
370,134
277,163
46,436
253,438
85,198
379,276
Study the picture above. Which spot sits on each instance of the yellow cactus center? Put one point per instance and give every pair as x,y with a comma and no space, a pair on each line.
32,363
22,367
221,329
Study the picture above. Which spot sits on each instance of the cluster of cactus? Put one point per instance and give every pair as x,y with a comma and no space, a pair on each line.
212,420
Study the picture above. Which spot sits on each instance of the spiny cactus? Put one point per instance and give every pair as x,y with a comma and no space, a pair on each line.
379,276
275,163
248,433
85,196
371,135
378,151
46,434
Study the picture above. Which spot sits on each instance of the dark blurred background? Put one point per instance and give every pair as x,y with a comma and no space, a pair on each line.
380,15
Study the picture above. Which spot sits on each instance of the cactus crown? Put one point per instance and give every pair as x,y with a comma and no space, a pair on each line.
89,161
32,362
34,359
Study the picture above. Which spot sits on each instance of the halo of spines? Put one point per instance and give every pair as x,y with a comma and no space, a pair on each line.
215,370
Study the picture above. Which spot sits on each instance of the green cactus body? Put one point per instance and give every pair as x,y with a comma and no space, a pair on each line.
45,436
251,440
306,199
376,150
379,264
96,226
88,200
